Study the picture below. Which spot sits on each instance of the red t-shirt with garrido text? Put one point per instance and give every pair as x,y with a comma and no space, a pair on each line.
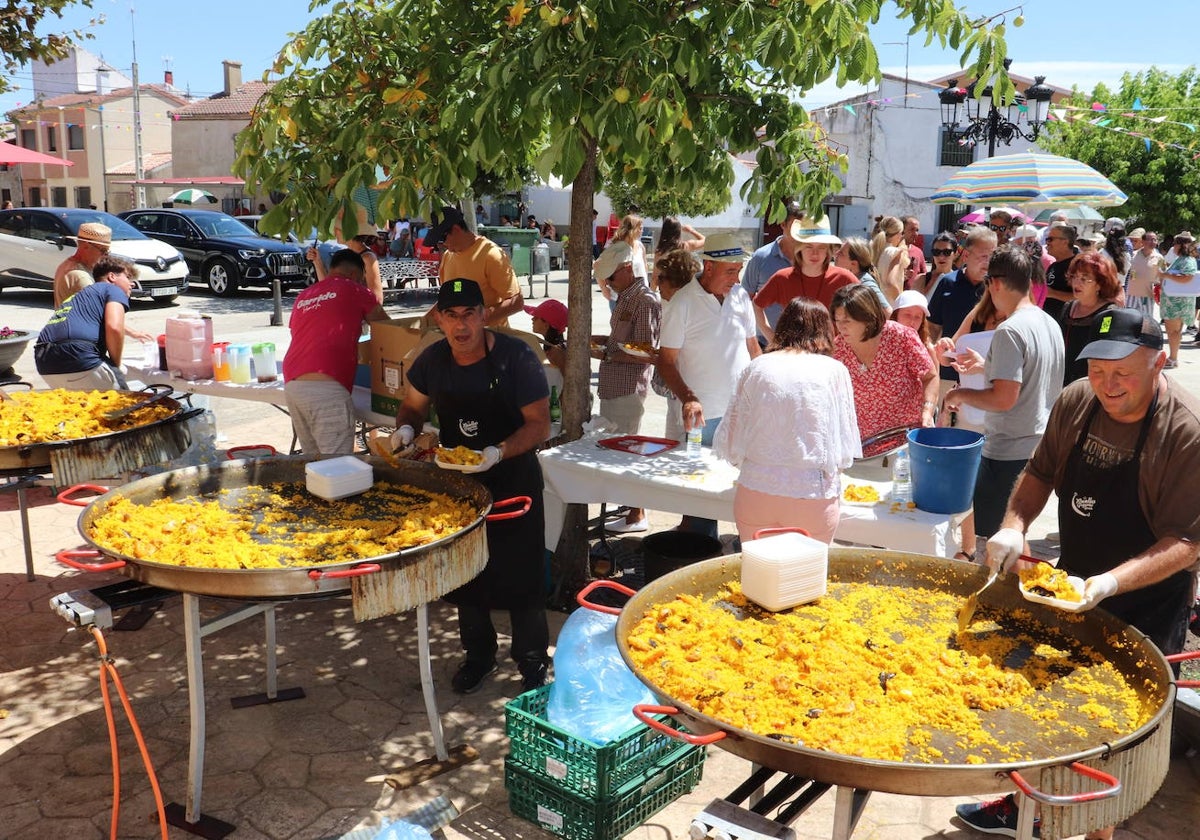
326,323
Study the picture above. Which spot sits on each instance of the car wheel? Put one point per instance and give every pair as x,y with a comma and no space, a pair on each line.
221,275
310,275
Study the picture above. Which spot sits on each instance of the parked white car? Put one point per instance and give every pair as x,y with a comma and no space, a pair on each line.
35,240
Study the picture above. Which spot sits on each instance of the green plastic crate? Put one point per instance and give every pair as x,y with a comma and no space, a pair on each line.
575,817
575,764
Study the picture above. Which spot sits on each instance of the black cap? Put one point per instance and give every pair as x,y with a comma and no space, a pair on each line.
450,216
1116,333
460,292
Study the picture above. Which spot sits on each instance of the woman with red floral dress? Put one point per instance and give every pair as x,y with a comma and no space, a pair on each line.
894,379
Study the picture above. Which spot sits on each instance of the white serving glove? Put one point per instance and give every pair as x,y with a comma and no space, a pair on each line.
1097,588
402,438
1004,548
491,457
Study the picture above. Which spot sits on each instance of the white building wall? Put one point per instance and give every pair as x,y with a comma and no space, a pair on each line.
894,147
204,148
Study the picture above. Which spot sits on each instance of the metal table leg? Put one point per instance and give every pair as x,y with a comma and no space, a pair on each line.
195,675
427,688
23,507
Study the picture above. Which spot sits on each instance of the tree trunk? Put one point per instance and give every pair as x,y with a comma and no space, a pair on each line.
570,569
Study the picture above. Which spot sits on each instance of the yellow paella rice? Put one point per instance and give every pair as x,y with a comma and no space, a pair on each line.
459,455
880,672
46,416
1043,576
278,525
860,493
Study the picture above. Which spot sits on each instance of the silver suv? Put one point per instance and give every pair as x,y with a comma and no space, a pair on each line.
35,240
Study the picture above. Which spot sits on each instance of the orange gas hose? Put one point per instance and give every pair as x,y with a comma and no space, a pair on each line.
107,670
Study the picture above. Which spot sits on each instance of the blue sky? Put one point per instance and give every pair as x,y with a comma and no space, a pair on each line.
1053,42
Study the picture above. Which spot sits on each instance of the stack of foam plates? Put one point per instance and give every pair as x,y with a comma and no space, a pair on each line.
784,570
337,478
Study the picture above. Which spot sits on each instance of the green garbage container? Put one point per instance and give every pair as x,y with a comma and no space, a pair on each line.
521,241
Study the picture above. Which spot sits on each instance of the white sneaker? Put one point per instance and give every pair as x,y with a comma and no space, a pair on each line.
620,526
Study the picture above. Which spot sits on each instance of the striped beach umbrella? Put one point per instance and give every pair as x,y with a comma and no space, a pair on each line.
1029,179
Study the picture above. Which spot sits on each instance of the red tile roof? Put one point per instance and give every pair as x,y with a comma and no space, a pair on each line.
69,100
150,162
221,106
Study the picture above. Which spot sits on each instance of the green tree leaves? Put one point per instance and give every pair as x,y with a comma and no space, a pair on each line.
1152,108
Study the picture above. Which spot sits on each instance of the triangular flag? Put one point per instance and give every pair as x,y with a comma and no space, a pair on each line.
1188,126
1158,119
1137,103
1098,106
1146,140
850,109
1104,122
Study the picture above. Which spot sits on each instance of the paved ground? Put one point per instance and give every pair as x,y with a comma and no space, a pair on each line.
313,768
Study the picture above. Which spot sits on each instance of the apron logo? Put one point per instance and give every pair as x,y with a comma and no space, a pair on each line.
1082,505
468,428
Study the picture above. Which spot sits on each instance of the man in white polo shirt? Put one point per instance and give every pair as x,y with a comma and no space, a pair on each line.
708,337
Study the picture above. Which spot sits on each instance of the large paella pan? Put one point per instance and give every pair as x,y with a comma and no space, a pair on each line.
437,565
157,434
1127,649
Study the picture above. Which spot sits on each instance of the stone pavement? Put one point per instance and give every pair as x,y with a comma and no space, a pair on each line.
313,768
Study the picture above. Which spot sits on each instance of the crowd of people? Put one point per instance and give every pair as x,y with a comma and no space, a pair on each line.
786,361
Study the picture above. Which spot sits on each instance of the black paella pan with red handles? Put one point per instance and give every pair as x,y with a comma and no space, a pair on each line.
1133,655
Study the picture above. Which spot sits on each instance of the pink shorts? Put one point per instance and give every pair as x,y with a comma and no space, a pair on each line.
753,510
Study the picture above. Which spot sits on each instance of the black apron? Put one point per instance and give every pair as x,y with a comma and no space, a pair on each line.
1102,525
514,576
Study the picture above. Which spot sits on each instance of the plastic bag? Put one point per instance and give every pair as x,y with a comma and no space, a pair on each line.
401,830
594,692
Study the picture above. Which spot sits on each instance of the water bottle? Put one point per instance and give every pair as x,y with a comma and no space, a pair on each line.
694,435
555,405
901,477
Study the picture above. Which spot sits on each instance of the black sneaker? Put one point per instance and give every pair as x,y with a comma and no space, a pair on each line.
996,817
533,675
470,675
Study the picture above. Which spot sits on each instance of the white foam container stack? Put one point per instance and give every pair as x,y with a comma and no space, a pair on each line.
337,478
782,571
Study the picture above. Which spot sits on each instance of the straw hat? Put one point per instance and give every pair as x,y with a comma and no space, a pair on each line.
94,233
724,247
809,231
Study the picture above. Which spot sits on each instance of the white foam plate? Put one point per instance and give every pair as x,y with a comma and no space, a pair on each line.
640,354
463,468
1057,603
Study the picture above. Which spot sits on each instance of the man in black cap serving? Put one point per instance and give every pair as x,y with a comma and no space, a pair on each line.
1120,451
490,394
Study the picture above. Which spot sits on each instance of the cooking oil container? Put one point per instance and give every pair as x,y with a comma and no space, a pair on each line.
784,570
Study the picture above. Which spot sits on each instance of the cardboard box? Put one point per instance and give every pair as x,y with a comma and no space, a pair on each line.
394,346
391,343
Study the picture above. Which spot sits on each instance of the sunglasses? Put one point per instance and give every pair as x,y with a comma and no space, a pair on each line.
943,252
999,228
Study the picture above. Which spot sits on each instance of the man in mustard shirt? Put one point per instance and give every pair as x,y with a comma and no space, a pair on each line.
473,257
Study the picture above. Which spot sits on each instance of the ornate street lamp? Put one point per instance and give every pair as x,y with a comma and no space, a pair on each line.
1024,117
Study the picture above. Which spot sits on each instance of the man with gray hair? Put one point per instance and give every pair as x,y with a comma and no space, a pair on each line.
1060,244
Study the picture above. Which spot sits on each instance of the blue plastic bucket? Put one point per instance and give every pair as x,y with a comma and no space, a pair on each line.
944,462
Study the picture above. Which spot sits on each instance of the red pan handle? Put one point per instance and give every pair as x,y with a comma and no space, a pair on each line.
1114,787
265,450
70,557
766,532
582,600
1183,657
353,571
643,713
525,502
66,495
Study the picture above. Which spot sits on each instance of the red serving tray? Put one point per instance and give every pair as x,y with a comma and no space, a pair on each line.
639,444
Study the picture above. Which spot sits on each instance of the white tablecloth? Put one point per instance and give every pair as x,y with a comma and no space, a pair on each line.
265,392
582,472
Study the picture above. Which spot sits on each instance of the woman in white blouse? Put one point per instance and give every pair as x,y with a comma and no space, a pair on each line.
791,428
